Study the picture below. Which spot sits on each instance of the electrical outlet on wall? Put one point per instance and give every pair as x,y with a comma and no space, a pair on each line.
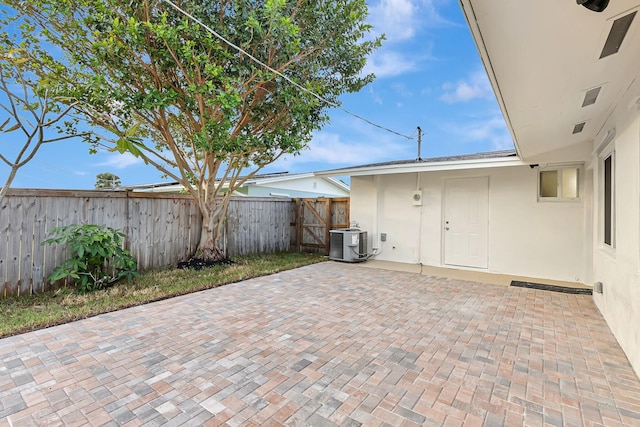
383,237
417,198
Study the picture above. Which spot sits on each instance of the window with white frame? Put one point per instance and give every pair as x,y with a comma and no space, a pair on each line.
561,183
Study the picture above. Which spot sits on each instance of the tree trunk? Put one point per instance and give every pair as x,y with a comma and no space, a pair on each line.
7,184
211,234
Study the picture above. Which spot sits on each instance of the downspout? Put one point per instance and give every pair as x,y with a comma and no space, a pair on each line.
419,188
378,207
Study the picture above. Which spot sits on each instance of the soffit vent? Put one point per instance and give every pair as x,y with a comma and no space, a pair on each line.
617,34
591,96
578,128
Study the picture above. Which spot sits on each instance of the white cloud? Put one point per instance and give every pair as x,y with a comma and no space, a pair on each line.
388,64
329,150
395,18
120,161
374,96
475,86
502,143
492,130
401,19
402,90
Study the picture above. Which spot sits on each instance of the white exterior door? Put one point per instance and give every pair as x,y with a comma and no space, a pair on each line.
466,222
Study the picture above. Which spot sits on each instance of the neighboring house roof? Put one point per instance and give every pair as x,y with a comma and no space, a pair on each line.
256,180
464,161
546,60
282,177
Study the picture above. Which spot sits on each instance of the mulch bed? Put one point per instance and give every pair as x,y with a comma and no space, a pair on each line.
199,263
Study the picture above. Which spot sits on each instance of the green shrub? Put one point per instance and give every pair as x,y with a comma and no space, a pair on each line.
97,258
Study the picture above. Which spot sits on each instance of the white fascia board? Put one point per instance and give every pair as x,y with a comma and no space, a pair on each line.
425,167
472,23
341,185
173,188
293,177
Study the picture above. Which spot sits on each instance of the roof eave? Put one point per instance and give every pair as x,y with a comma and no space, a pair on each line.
337,183
469,14
425,167
288,177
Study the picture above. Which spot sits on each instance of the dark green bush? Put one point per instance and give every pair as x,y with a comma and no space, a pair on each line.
97,257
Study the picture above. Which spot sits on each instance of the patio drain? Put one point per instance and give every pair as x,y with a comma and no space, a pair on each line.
543,287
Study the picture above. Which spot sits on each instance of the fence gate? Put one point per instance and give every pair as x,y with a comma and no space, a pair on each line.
313,218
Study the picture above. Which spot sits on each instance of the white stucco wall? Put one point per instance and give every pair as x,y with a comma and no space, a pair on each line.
525,237
619,268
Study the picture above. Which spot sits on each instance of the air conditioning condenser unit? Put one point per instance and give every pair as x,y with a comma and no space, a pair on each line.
348,244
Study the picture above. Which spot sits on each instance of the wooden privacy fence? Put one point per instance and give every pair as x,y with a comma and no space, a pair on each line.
162,229
312,219
256,225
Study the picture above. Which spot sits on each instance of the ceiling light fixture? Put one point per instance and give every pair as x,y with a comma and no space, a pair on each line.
595,5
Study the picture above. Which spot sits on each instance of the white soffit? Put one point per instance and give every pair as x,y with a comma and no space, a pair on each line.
542,58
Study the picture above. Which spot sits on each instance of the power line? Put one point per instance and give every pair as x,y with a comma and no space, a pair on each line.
256,60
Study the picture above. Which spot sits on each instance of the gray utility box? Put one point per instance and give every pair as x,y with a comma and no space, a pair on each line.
348,244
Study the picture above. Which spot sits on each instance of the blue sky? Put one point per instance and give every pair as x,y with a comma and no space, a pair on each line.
428,75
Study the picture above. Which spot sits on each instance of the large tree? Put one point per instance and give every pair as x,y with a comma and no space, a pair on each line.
107,180
169,90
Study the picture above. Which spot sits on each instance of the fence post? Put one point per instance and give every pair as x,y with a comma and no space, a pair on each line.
327,227
300,225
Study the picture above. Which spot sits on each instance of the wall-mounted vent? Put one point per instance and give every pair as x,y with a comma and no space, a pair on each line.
591,96
617,34
578,128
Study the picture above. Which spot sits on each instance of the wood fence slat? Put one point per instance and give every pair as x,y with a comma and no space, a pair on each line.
300,220
52,253
39,252
26,249
146,236
181,226
13,247
327,223
195,226
4,244
134,228
159,232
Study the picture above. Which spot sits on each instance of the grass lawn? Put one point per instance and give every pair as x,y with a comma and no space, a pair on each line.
28,313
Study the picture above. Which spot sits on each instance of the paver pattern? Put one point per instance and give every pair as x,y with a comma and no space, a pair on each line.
328,345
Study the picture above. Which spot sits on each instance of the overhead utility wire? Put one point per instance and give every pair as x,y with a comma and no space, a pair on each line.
256,60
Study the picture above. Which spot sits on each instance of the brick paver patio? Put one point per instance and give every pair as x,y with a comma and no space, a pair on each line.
325,345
